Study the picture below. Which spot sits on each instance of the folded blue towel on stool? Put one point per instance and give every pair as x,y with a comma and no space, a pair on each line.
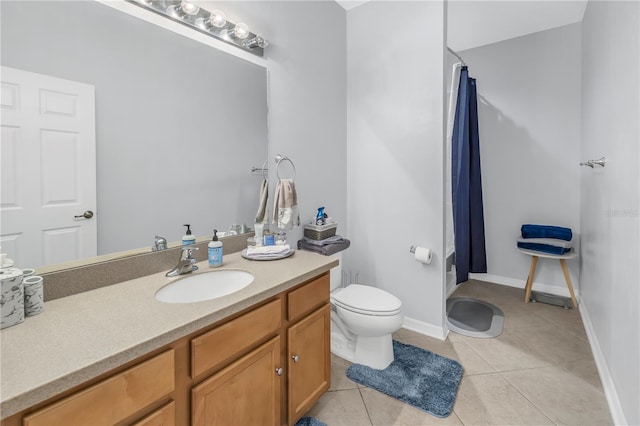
546,231
544,248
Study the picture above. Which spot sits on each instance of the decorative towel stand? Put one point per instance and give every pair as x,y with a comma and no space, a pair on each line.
279,160
534,261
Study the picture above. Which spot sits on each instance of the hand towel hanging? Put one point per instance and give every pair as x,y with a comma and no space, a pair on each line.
285,205
262,215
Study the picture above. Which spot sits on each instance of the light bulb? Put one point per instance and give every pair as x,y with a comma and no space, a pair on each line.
189,8
183,9
241,31
218,19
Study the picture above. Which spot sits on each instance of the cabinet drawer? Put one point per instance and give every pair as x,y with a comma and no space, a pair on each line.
219,345
114,399
310,296
163,416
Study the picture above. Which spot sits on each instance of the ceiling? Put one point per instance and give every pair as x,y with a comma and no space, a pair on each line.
474,23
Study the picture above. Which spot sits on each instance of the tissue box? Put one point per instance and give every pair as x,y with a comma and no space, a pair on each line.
320,232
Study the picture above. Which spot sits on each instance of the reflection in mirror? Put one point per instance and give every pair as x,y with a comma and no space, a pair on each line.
178,126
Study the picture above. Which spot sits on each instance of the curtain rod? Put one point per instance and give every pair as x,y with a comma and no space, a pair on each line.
456,55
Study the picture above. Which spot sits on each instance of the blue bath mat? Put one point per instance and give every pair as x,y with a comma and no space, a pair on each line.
416,376
310,421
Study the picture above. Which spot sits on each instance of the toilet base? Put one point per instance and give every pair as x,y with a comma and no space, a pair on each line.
374,352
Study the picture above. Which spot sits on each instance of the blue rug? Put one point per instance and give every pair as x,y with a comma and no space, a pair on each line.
416,376
310,421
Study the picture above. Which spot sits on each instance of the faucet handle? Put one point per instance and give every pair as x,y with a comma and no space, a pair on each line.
187,251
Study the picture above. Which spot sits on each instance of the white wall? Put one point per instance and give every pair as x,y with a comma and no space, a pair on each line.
307,96
529,120
610,200
395,153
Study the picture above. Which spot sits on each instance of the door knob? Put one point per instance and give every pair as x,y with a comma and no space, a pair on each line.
86,215
295,358
279,371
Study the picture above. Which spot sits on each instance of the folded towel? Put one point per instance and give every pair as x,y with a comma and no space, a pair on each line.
327,250
262,216
265,252
336,239
546,231
285,205
544,248
548,241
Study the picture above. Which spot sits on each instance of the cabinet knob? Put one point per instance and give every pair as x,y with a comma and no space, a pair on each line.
295,358
279,371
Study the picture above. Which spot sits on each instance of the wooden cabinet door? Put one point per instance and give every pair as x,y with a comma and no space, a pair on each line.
309,361
247,392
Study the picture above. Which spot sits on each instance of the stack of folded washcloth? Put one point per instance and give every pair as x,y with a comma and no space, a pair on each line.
328,246
546,239
268,252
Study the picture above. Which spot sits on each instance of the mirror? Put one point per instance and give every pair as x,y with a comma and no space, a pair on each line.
178,124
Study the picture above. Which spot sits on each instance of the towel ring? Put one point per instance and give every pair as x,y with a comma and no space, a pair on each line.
280,159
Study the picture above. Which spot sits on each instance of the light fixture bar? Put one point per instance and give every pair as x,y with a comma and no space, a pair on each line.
214,24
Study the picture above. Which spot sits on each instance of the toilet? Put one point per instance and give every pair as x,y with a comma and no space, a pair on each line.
362,321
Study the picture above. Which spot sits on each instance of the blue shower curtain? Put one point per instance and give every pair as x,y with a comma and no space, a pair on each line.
466,180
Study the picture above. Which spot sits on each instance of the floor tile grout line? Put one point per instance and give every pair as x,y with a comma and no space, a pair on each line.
365,405
527,399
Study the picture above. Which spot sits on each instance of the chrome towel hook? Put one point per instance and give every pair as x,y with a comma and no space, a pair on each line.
593,163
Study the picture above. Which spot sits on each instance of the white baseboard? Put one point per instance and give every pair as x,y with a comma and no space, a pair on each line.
425,328
603,370
514,282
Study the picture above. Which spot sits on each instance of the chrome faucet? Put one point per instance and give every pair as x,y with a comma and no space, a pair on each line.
160,243
186,264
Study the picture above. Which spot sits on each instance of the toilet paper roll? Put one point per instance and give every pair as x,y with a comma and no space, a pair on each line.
423,255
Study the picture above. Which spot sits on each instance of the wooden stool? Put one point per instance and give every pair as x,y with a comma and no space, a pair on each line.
534,261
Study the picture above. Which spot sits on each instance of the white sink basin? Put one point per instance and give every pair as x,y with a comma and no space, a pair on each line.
205,286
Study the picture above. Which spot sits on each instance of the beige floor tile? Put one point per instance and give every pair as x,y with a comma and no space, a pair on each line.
384,410
490,400
556,345
344,407
339,379
564,397
509,351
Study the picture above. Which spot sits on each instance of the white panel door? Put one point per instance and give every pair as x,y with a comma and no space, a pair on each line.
48,167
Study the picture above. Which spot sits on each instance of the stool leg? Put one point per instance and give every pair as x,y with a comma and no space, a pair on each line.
568,279
532,271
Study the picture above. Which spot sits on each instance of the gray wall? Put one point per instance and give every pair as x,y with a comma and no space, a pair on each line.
395,111
178,126
529,120
307,97
610,199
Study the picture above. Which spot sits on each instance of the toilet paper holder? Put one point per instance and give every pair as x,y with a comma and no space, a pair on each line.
412,250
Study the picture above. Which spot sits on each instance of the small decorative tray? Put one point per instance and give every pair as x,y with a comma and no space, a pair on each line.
243,253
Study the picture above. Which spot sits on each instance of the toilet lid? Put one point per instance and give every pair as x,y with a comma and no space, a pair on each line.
365,298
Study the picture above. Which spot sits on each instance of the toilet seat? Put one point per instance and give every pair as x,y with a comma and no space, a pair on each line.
367,300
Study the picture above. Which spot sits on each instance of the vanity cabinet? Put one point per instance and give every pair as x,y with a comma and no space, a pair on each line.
113,400
265,365
247,392
309,362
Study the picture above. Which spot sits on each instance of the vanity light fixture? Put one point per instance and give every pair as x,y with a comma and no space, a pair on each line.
214,24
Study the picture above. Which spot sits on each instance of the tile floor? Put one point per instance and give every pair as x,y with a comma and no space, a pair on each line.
540,371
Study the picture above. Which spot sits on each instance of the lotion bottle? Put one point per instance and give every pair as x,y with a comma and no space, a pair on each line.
215,251
188,239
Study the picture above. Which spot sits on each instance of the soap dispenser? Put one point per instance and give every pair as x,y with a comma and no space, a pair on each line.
215,251
188,239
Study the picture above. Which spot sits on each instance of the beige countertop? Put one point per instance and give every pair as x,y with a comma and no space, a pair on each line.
79,337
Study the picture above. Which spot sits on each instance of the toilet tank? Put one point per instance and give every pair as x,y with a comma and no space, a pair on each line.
335,276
